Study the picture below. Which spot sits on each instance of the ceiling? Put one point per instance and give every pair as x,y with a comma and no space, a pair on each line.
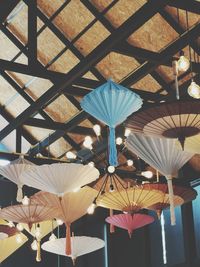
53,53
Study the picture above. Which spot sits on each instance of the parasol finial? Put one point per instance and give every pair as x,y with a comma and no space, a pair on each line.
181,139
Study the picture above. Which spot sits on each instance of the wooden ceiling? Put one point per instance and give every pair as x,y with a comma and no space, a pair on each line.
54,52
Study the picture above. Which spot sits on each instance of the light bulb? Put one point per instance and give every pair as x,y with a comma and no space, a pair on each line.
18,238
130,162
38,233
97,129
25,200
11,224
91,208
52,237
20,227
127,132
183,63
34,245
119,141
194,90
147,174
88,142
111,169
88,139
59,222
91,164
70,155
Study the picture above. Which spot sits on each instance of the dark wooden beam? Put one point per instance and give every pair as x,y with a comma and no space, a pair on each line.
32,32
128,27
189,5
6,7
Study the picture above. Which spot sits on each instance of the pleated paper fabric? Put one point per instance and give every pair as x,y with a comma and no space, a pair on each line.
60,178
81,245
111,103
163,155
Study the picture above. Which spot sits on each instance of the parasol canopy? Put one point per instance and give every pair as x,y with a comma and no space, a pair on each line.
3,235
111,103
60,178
28,214
179,119
7,230
129,200
163,155
81,245
192,144
130,222
70,207
13,172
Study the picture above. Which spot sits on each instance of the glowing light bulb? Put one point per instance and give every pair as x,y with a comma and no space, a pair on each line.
18,238
25,200
130,162
20,227
70,155
194,90
127,132
183,63
11,224
91,208
88,142
52,237
147,174
97,129
59,222
91,164
111,169
34,245
119,141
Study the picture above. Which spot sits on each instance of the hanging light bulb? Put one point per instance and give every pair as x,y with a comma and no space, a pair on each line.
147,174
25,200
18,238
59,222
183,62
20,227
127,132
111,169
130,162
194,90
70,155
11,224
97,129
119,141
88,142
91,208
34,245
52,237
91,164
38,232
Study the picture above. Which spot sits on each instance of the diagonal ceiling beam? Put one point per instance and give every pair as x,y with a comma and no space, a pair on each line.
165,54
6,7
189,5
128,27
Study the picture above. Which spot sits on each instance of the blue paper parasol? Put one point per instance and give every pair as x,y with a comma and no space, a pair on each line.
111,103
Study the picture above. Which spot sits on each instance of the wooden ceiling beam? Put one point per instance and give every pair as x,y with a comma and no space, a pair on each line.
6,8
189,5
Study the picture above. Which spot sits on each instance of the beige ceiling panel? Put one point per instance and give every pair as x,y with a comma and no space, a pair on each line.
92,38
59,147
152,35
117,66
101,4
147,84
8,50
49,6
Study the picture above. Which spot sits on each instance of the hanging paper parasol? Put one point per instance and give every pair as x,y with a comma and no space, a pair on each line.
70,207
129,200
161,154
111,103
81,245
130,222
13,171
60,178
3,235
179,119
182,194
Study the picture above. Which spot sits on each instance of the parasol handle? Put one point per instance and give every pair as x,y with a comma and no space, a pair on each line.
112,148
68,240
171,199
19,193
112,227
38,256
175,71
